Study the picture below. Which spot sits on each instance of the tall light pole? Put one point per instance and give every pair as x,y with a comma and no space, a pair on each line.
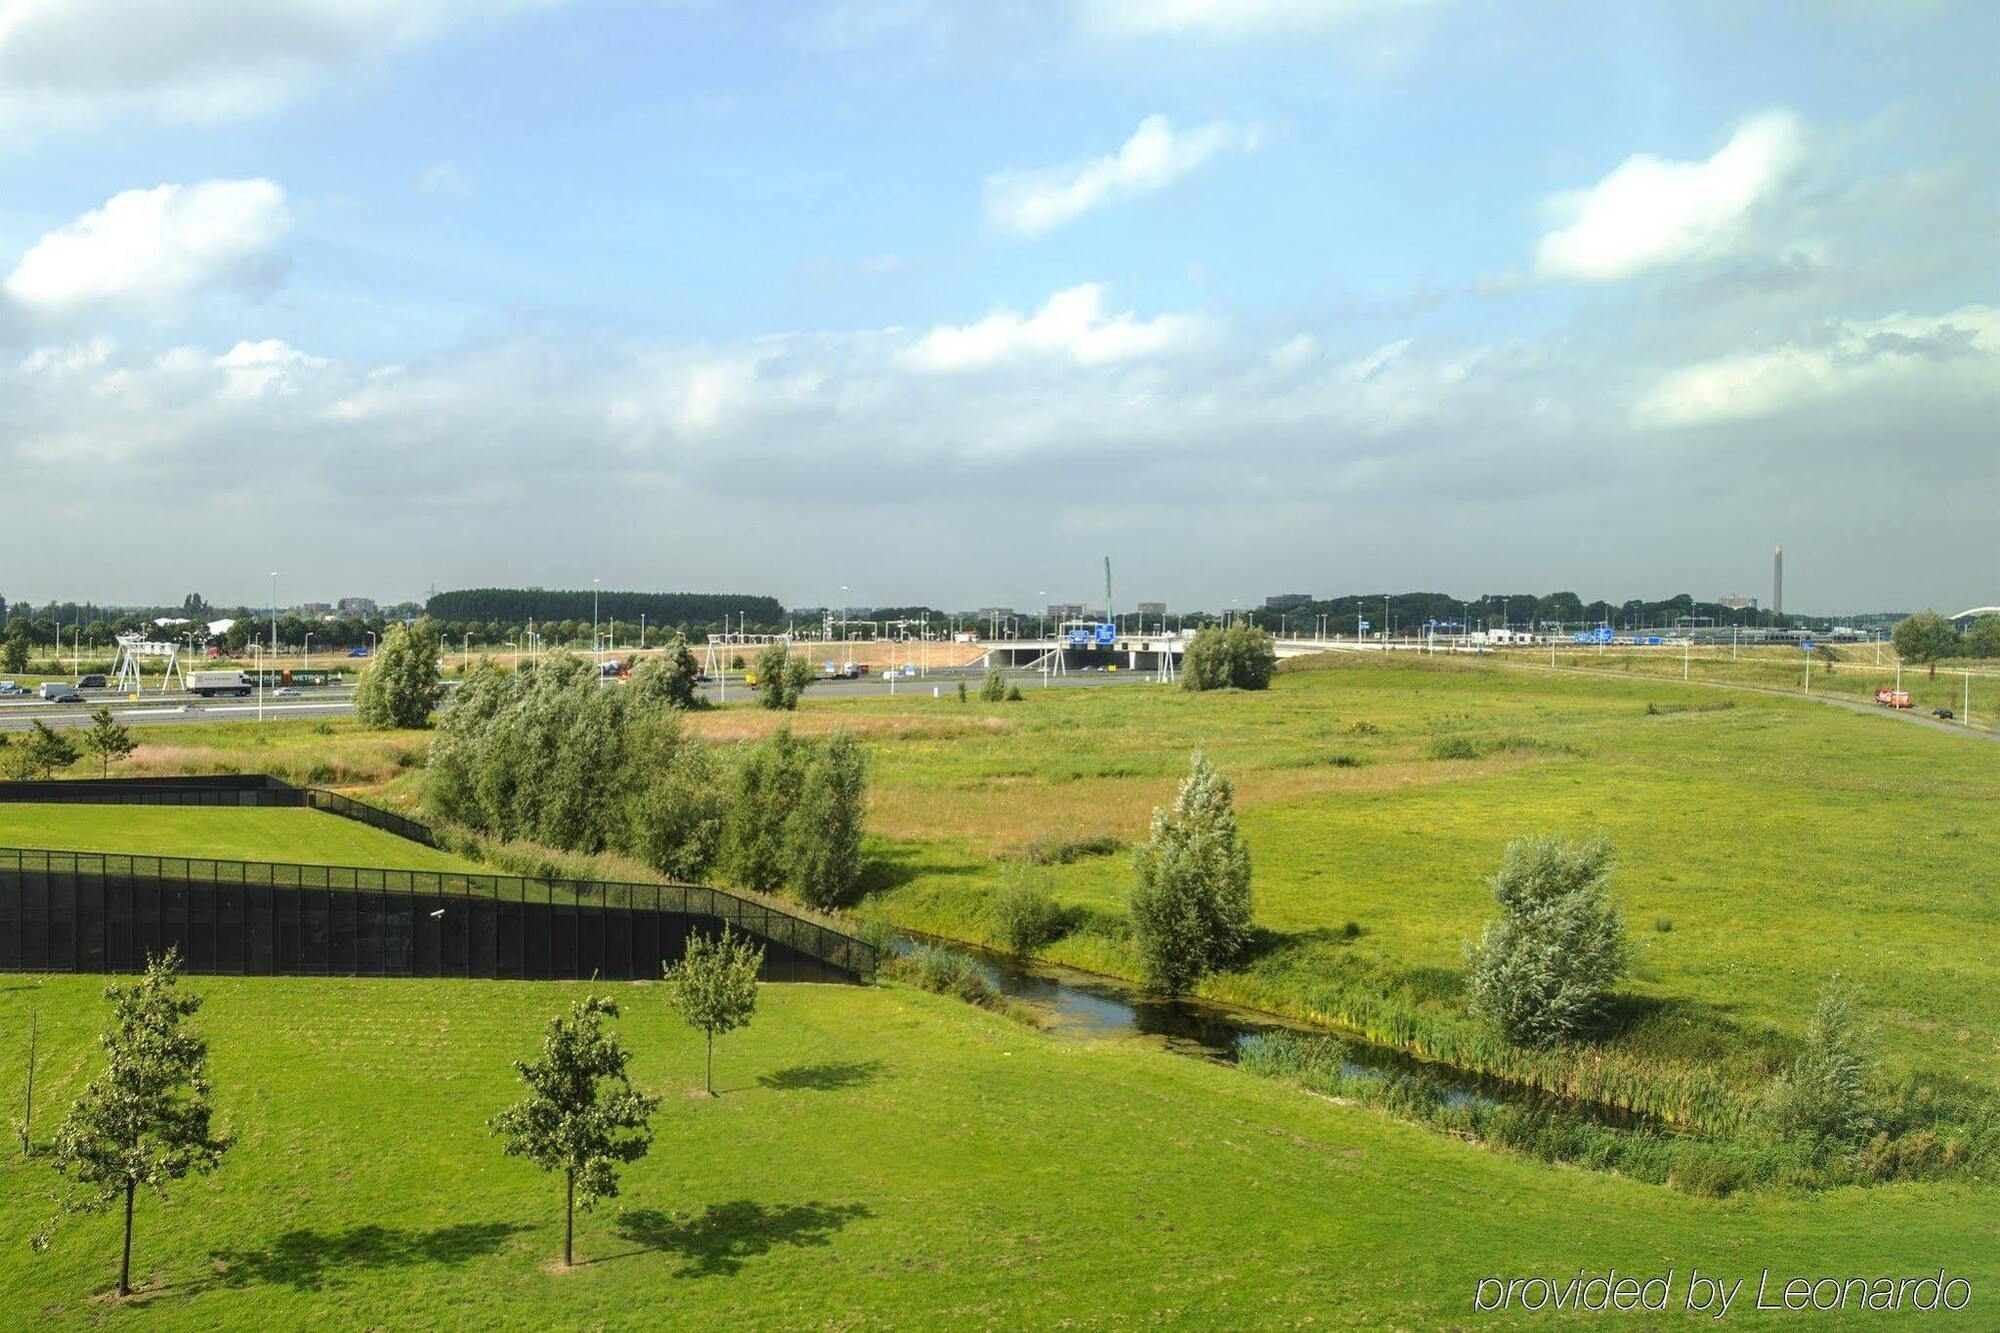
258,650
274,613
845,651
309,650
595,645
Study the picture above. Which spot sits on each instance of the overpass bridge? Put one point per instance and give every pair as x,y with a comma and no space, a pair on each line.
1158,654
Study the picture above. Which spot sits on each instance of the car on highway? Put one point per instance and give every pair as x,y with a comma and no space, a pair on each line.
91,683
66,695
284,692
8,687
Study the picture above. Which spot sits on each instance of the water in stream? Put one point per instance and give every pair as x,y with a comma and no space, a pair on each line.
1085,1004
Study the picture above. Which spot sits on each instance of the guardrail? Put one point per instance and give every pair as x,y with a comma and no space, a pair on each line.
102,912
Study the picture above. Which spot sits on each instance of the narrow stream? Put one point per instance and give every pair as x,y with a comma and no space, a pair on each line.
1085,1004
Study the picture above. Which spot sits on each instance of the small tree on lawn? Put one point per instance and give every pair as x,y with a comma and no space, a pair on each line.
1825,1093
109,739
45,751
781,678
714,988
1545,969
581,1116
993,688
401,685
1191,904
1923,638
145,1119
14,653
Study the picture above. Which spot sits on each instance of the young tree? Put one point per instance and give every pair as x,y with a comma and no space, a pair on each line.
993,689
768,779
714,987
401,685
781,677
14,652
581,1116
1545,969
108,738
45,751
1923,638
823,831
1825,1094
145,1119
1191,903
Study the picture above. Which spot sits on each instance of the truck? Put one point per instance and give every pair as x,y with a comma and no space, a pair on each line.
60,692
1889,698
209,684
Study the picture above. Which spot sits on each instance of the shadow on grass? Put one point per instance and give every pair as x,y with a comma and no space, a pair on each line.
828,1076
716,1243
310,1260
891,865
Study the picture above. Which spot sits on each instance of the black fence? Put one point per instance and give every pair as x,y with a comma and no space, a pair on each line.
98,912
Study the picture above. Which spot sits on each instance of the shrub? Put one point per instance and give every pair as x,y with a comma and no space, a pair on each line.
768,778
1455,747
1050,850
943,972
669,679
1014,694
1545,969
962,696
993,689
1825,1093
1026,916
1191,904
1351,931
1242,656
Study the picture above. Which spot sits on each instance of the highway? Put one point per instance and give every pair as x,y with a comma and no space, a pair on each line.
315,702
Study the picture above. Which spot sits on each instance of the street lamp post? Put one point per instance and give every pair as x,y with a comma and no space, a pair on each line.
274,613
595,645
309,651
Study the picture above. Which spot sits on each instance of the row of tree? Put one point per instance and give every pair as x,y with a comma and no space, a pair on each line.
147,1119
43,751
550,755
1927,638
585,605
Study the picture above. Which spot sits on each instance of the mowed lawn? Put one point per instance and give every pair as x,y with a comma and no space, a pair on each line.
305,836
880,1157
1763,843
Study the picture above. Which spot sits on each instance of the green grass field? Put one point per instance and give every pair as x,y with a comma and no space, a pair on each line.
1764,843
880,1157
229,834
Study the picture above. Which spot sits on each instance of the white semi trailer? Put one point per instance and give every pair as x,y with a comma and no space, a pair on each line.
209,684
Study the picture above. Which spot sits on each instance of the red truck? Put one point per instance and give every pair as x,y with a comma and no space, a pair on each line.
1893,698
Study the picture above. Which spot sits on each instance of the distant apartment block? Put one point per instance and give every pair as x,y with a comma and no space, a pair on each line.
1287,601
358,606
1151,608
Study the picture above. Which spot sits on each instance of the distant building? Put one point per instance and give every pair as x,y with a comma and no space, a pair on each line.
1287,601
1738,603
1066,610
315,608
996,612
1151,608
357,606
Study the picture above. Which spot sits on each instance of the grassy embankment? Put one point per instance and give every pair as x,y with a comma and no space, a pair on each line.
878,1157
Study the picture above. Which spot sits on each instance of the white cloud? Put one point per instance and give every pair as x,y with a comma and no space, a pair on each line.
270,366
444,178
68,63
69,358
155,246
1951,355
1071,327
1234,18
1157,155
1651,212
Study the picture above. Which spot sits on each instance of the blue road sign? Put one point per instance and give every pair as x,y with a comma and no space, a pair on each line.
1806,646
1365,626
1107,633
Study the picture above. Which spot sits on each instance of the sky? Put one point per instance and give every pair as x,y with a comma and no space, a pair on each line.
943,302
